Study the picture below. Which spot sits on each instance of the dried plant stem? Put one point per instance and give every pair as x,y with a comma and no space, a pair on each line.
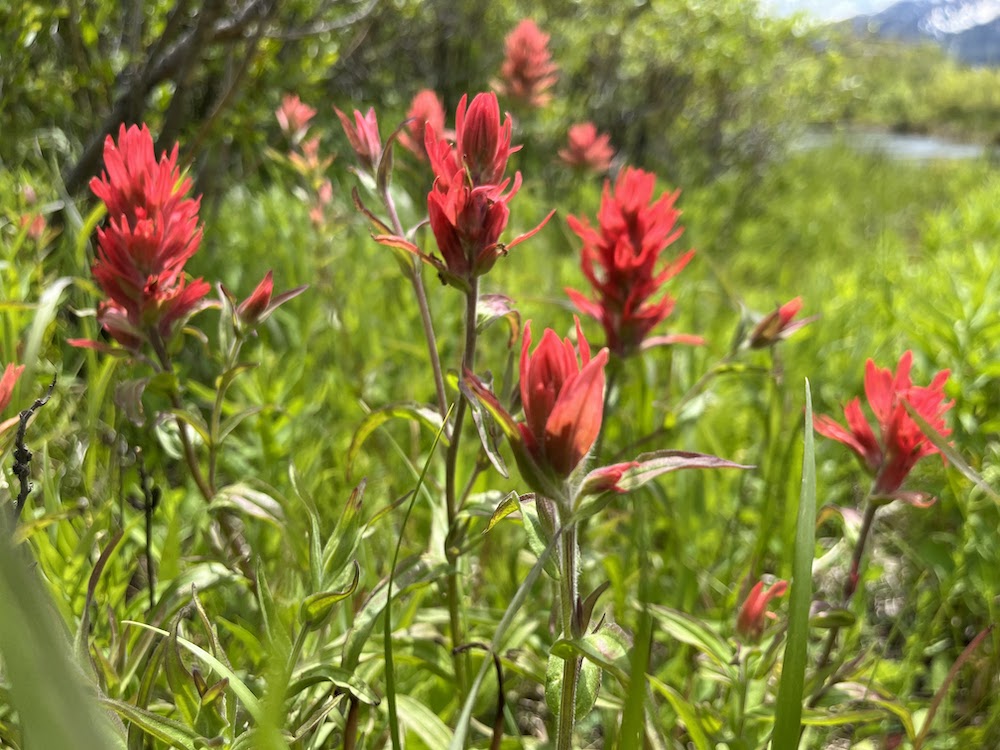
568,596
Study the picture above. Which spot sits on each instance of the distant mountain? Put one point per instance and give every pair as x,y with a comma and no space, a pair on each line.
967,29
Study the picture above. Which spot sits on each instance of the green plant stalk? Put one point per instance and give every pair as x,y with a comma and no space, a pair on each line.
453,544
571,667
850,586
417,281
237,544
220,396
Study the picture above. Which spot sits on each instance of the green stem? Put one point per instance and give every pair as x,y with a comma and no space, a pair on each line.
568,596
453,544
417,282
850,586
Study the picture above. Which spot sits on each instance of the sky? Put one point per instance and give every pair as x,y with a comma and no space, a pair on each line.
828,10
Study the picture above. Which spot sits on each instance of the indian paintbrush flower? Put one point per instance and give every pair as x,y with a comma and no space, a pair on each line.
621,259
258,307
777,325
293,117
151,233
753,614
587,149
468,206
900,442
425,109
364,137
527,72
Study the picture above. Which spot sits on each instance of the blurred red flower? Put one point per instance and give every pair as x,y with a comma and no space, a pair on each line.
293,117
7,382
363,137
152,231
621,259
777,325
527,72
753,614
587,149
425,109
900,442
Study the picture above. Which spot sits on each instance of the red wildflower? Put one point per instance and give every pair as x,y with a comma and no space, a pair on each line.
7,383
258,307
626,247
363,137
425,109
293,117
777,325
468,206
563,399
753,614
527,72
900,443
482,144
587,149
152,230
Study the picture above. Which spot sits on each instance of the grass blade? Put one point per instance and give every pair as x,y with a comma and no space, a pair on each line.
788,711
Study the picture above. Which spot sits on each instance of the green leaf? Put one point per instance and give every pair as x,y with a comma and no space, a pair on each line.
240,689
159,727
686,712
181,683
424,415
694,632
317,607
250,502
587,687
507,506
788,710
340,677
423,722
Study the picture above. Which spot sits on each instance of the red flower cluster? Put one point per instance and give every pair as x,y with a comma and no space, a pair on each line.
621,259
563,399
293,117
468,205
562,392
425,109
900,443
151,233
527,72
586,149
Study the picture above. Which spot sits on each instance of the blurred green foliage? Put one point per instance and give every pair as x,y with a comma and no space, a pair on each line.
890,255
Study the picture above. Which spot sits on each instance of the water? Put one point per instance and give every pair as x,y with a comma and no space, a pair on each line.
903,146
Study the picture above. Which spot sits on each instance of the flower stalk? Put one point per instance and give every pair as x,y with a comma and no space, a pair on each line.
568,597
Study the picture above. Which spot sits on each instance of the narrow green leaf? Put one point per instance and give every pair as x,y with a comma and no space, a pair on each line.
317,607
423,722
692,631
159,727
788,711
686,712
239,687
507,506
424,415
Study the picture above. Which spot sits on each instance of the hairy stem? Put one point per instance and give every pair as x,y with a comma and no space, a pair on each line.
568,596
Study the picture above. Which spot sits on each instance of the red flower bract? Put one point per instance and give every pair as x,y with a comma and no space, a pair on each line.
587,149
294,116
891,455
527,72
753,614
7,382
622,260
482,144
363,137
563,399
152,231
